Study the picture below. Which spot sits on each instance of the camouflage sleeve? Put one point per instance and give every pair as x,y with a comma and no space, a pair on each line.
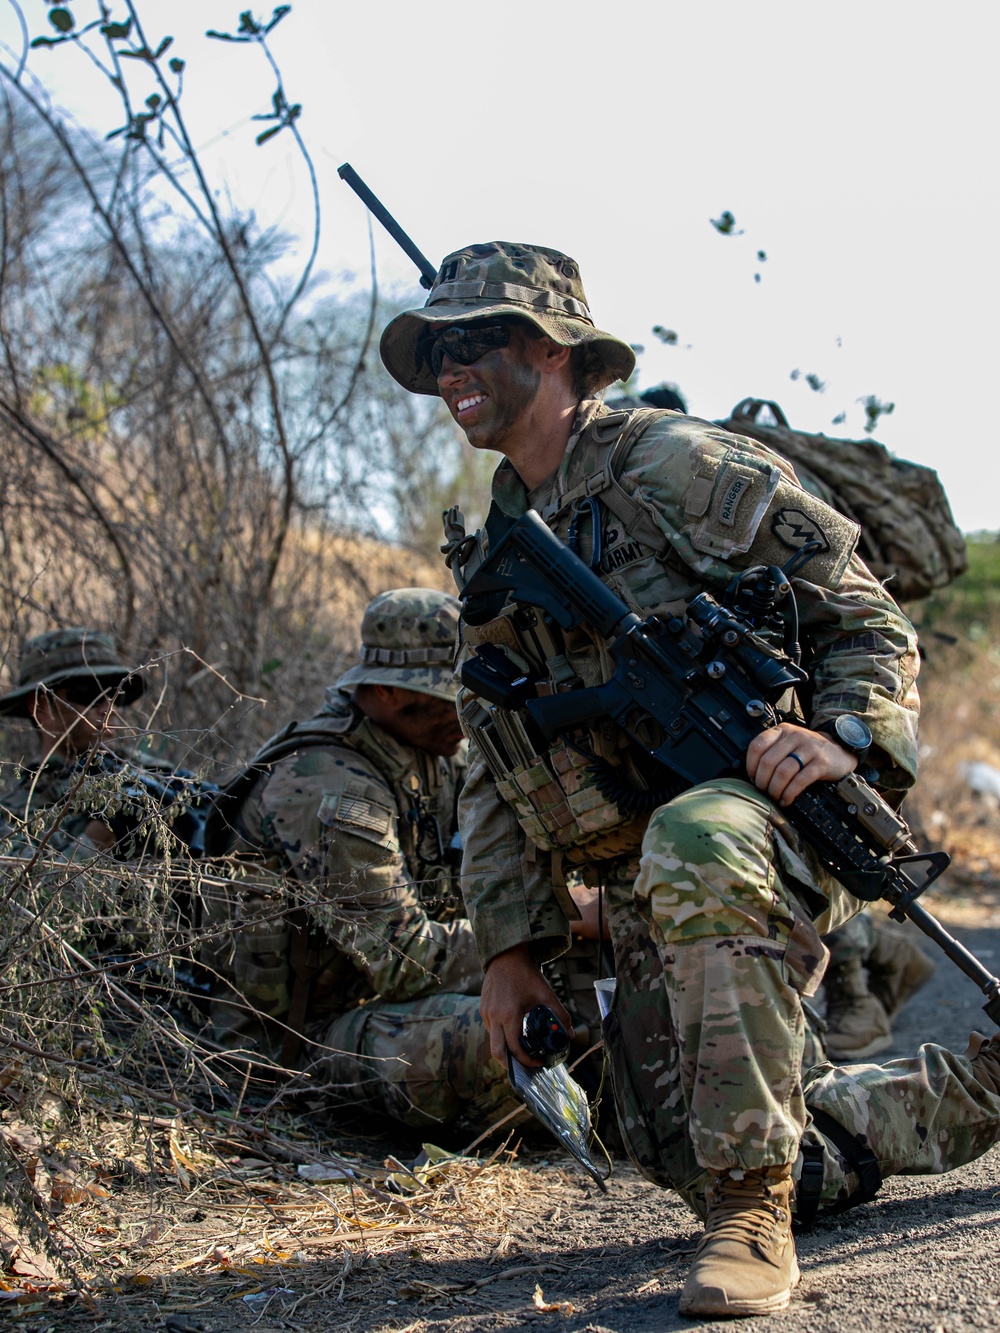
37,808
333,819
863,658
509,898
726,502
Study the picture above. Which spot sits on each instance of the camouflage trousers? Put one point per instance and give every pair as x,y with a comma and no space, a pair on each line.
714,951
425,1062
428,1062
853,941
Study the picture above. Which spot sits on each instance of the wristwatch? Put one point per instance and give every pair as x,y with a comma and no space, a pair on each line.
850,731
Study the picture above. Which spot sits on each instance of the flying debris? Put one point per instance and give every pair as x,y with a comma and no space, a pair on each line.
725,224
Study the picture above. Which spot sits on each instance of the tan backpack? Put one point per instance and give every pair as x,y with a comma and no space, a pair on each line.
908,536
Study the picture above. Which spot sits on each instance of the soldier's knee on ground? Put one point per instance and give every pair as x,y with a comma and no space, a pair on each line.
424,1063
925,1115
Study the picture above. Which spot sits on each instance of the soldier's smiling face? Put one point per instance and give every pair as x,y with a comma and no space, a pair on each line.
493,397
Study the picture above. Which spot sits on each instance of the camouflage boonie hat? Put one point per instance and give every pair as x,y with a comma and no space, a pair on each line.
408,639
502,278
63,655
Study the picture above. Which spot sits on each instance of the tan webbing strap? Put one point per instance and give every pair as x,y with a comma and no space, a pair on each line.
624,428
304,964
634,513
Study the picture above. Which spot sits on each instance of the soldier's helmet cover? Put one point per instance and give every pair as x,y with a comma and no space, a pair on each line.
502,278
408,639
66,656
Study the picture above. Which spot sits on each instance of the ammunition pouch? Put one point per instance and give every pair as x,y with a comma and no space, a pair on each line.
553,791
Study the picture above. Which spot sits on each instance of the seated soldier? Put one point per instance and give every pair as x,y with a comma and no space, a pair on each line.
70,683
372,979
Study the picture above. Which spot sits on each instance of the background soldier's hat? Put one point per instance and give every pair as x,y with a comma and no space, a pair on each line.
408,639
62,656
503,278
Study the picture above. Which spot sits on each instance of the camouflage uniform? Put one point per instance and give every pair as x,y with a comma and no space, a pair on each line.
362,824
716,906
38,791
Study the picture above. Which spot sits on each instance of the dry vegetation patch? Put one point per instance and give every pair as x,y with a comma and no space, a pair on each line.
167,1217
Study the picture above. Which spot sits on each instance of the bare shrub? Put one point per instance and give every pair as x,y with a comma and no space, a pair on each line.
198,450
188,425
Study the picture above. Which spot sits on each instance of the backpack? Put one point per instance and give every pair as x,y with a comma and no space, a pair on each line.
220,834
908,536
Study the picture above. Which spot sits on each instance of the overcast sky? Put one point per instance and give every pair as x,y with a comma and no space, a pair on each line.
854,143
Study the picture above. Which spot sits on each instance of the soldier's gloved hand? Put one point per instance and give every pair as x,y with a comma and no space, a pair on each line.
513,985
784,760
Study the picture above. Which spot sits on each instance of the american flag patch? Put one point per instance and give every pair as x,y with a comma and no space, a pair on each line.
363,813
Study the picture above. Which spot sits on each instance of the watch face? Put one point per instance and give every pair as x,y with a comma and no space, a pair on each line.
853,732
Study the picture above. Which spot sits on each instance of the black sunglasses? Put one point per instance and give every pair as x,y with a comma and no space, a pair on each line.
464,343
84,694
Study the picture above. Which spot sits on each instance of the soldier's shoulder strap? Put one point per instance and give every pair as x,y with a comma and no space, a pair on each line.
221,825
615,433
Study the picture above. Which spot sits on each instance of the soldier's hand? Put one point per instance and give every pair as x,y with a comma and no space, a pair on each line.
593,922
784,760
98,835
513,985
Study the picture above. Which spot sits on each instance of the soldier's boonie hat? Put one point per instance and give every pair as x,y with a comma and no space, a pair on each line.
502,278
62,656
408,639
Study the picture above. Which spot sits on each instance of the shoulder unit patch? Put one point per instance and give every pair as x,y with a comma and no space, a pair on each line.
796,530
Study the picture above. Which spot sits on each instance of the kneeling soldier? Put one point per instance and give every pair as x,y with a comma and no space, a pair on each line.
371,978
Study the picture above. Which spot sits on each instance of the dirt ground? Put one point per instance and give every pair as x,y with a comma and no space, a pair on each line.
239,1243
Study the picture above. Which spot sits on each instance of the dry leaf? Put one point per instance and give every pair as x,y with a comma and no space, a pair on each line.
29,1263
551,1307
67,1190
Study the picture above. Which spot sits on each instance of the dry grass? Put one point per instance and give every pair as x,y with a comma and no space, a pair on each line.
188,1214
191,714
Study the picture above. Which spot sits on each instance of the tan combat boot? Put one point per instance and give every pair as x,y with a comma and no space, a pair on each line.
745,1263
857,1025
897,968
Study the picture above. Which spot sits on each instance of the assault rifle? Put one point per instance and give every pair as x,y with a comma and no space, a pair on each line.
692,692
140,793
